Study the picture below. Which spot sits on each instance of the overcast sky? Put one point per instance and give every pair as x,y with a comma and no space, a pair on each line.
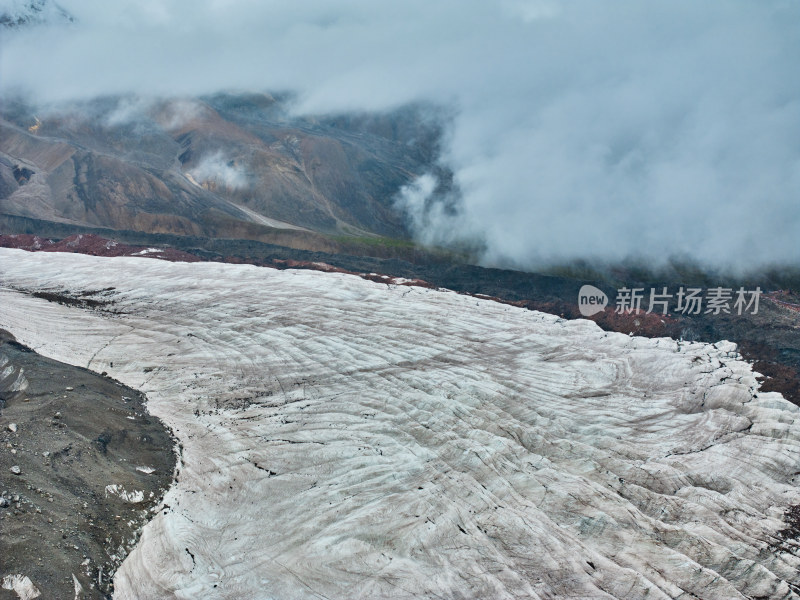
581,129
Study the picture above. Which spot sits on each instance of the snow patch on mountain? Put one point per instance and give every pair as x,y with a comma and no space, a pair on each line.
23,13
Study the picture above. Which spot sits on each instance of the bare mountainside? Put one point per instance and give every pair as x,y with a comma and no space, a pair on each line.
348,439
235,166
82,465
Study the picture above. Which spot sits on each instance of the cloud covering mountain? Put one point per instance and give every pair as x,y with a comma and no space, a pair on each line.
579,129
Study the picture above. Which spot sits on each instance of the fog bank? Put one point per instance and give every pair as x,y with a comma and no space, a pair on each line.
580,129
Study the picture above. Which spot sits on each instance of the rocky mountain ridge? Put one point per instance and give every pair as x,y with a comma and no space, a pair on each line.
234,166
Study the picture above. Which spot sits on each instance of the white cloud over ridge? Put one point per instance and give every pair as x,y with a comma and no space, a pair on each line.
582,129
216,169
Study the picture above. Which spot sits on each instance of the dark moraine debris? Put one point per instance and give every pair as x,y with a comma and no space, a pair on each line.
72,433
91,299
22,175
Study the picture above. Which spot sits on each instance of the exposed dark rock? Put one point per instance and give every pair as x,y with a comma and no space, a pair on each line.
59,519
22,174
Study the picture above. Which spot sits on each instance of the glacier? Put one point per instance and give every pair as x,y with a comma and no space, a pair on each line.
342,438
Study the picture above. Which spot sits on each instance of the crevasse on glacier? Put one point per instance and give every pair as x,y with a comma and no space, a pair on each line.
348,439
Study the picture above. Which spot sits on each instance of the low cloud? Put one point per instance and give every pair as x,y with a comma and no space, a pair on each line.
416,201
581,129
175,114
217,171
436,217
